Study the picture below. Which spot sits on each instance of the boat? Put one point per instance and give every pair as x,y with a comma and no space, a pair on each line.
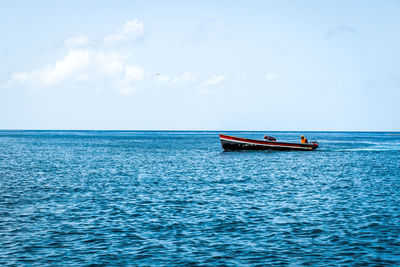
232,143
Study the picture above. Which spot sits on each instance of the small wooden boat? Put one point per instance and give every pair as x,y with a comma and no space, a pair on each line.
232,143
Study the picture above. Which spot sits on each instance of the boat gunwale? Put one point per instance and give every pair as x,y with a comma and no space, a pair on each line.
268,143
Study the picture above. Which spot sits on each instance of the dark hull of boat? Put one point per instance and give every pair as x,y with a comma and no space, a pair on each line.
232,143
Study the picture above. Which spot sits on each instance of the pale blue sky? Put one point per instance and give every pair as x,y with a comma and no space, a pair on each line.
200,65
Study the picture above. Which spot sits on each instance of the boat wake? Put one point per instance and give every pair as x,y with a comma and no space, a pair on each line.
372,149
347,146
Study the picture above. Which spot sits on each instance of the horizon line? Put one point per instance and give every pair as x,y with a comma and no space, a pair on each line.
172,130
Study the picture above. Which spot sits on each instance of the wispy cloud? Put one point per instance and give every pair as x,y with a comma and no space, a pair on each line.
98,66
85,65
341,30
186,77
271,76
77,40
214,80
131,30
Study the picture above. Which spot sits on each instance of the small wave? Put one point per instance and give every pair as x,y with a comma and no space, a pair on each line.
370,149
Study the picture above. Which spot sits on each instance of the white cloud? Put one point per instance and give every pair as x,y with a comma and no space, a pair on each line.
83,65
271,76
78,40
93,65
76,66
97,69
186,77
215,79
133,73
131,30
73,63
110,63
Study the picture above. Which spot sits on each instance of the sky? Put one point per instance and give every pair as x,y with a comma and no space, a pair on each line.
200,65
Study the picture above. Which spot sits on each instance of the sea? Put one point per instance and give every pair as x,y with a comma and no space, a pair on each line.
168,198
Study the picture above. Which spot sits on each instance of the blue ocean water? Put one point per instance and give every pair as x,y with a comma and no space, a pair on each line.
174,198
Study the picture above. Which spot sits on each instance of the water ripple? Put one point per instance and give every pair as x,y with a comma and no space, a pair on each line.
174,198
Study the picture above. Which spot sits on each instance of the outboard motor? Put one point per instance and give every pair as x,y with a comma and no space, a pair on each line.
269,138
315,144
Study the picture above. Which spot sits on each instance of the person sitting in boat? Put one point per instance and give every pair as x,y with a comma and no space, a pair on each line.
304,140
269,138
